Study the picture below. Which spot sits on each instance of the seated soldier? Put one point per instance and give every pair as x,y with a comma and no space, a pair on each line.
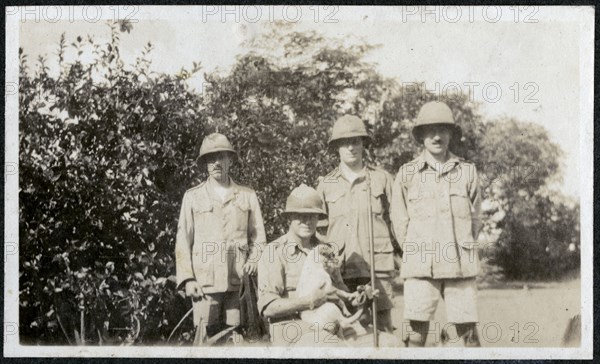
279,269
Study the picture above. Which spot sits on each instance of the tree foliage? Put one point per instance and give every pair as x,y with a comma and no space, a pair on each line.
107,151
539,231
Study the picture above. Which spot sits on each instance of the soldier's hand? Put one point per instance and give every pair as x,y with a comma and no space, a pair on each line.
352,296
250,268
369,291
193,289
332,295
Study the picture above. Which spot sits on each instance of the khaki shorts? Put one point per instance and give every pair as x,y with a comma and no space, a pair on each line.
421,297
217,308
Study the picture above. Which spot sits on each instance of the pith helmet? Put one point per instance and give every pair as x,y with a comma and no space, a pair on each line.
305,200
435,113
348,126
215,142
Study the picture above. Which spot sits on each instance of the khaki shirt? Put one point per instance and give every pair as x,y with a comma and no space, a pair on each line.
279,269
347,208
215,236
436,217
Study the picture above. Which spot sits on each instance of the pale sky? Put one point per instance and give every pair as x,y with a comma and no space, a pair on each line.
536,59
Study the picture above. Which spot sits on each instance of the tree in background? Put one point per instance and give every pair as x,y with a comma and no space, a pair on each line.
278,109
107,151
538,229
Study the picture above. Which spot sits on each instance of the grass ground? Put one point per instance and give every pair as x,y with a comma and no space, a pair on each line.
514,316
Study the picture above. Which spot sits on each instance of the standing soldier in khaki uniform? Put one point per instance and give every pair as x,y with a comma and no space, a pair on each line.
219,238
345,191
435,214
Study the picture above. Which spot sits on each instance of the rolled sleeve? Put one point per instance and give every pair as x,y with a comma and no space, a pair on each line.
271,283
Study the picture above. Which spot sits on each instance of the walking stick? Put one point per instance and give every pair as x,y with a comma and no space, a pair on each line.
372,260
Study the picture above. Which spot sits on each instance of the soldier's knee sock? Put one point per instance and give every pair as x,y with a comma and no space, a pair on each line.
416,335
468,333
200,336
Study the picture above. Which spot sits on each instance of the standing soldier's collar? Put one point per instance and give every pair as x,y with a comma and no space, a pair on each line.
422,161
234,189
337,172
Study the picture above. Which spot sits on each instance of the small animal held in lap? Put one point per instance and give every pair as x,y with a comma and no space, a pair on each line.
320,269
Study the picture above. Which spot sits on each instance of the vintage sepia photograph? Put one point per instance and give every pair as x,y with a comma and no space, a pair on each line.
260,181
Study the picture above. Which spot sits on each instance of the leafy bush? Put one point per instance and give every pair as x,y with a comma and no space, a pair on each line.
102,162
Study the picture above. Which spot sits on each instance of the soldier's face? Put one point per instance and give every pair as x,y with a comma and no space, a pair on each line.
304,225
351,150
436,139
218,165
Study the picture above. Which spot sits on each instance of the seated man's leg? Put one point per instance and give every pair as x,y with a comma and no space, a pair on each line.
460,295
421,296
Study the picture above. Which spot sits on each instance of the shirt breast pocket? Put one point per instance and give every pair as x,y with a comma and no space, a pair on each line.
419,205
460,203
377,196
242,209
202,213
335,203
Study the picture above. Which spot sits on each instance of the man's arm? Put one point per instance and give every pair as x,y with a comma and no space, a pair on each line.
475,197
256,234
282,307
321,190
184,242
271,288
398,211
389,193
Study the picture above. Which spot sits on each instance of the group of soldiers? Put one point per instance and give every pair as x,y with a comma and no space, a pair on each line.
429,213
